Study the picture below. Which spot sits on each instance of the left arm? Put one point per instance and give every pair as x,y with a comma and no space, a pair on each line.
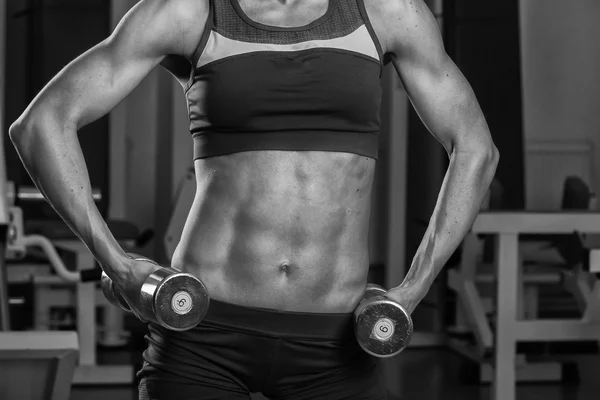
447,106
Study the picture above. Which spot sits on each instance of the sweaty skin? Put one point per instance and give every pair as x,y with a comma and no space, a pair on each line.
273,229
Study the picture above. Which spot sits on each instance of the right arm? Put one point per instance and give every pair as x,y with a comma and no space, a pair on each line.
45,135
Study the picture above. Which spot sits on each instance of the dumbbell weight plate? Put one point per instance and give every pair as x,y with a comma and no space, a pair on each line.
181,302
176,300
382,327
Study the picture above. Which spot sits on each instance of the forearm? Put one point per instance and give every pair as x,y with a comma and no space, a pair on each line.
467,180
52,156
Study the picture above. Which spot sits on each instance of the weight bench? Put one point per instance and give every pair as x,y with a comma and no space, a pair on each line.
87,297
474,310
37,365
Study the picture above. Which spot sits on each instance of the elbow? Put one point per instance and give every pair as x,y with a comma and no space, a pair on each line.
495,159
30,124
492,156
15,129
18,131
23,126
489,157
21,133
483,157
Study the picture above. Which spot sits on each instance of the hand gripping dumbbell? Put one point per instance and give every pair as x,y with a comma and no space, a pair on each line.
178,301
383,328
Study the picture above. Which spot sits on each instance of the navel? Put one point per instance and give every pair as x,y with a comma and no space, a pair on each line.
285,268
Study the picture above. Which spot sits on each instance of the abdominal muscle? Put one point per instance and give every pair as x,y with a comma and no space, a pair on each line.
280,230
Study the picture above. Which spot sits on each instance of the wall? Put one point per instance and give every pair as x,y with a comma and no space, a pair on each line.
561,72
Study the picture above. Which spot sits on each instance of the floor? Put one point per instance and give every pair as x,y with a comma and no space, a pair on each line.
430,375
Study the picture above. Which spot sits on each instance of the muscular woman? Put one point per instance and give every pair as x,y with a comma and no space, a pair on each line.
284,100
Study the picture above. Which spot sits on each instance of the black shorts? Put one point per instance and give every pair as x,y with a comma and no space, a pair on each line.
238,350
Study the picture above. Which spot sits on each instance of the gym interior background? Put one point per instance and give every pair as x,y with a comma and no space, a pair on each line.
535,67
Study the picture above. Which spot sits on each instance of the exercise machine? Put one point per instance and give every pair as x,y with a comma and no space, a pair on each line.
37,365
34,365
473,282
569,261
56,285
52,279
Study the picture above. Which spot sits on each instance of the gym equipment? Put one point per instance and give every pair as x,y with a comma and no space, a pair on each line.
382,327
34,365
178,301
23,194
53,290
4,303
509,327
473,282
68,287
37,365
18,243
543,259
4,217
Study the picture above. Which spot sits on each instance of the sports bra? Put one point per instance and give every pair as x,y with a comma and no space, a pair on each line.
261,87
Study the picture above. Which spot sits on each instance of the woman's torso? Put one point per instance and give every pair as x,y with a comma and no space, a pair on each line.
284,230
281,229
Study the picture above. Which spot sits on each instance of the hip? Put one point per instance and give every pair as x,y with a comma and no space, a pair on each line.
245,340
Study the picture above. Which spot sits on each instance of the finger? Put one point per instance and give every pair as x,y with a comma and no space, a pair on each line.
141,318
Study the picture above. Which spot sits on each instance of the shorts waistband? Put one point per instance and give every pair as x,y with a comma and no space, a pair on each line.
277,323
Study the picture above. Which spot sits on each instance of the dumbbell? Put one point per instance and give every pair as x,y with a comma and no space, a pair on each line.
383,328
175,300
